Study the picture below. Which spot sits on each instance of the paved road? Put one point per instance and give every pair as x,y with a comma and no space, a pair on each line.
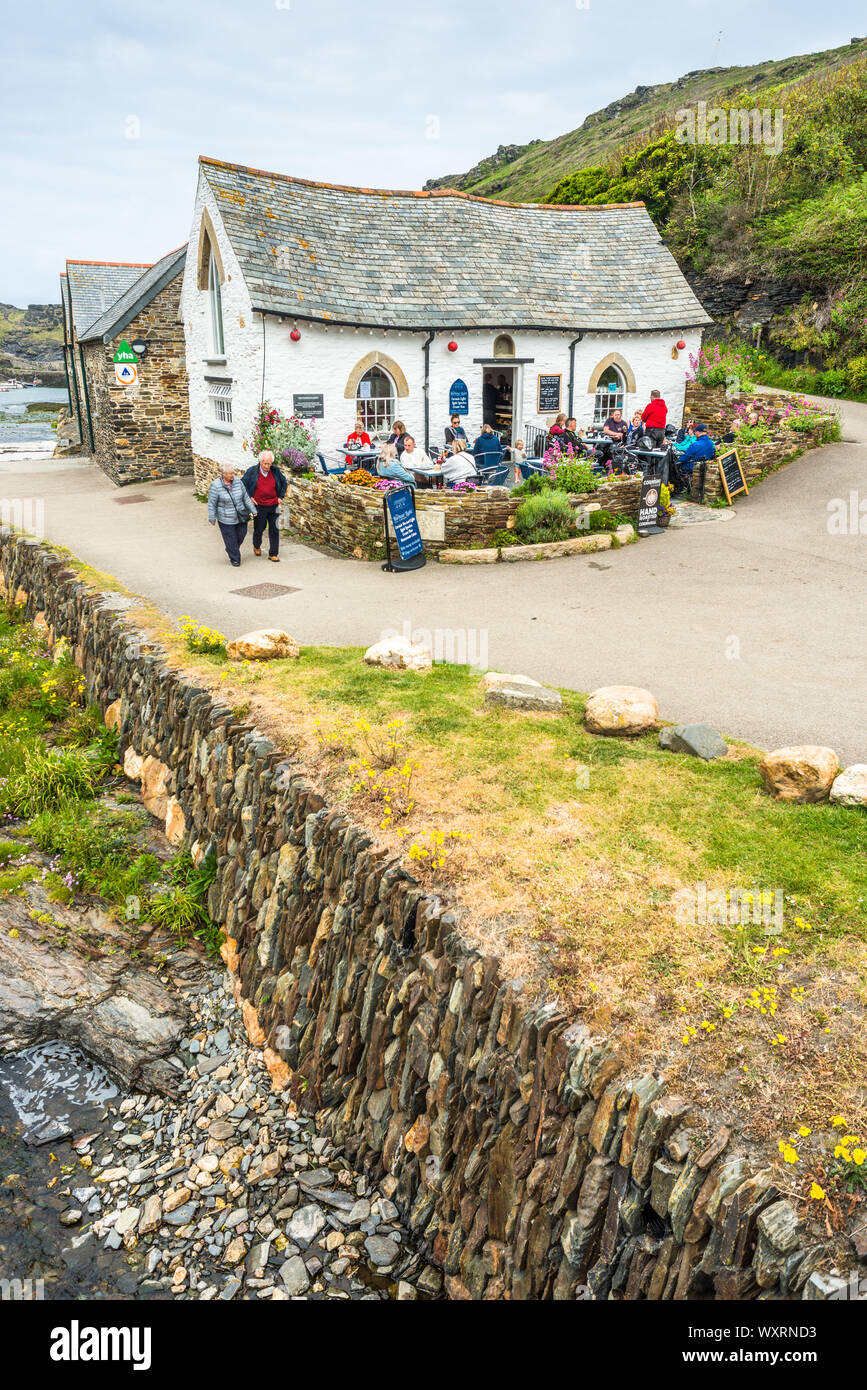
756,625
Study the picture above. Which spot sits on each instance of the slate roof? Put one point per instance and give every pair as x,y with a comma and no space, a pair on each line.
136,297
95,285
444,259
64,294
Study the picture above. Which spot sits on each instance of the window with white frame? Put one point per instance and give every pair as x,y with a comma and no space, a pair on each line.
376,401
610,395
220,397
215,295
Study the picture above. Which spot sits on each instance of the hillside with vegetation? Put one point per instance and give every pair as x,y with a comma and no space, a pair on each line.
739,211
31,337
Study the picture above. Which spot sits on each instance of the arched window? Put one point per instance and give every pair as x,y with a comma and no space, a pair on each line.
215,295
504,346
376,401
610,394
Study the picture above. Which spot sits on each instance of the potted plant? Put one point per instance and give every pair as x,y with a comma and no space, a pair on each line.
666,506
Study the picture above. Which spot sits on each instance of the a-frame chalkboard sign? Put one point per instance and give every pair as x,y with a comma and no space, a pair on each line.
732,474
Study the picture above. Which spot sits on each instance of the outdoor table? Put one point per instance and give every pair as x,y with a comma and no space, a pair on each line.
361,458
434,473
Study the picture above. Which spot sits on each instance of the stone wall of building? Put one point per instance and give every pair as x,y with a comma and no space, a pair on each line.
528,1160
142,431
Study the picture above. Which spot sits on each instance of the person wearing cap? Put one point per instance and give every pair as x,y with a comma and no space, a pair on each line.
702,447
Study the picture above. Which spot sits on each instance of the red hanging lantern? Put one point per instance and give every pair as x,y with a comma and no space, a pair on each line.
453,347
680,345
295,335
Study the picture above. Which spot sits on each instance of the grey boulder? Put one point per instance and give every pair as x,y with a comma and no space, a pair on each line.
700,740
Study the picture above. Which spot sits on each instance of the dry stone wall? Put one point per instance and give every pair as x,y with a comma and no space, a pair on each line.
528,1160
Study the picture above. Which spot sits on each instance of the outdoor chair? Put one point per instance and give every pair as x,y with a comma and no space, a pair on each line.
334,469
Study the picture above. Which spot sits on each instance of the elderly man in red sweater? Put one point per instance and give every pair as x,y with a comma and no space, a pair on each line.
266,484
654,417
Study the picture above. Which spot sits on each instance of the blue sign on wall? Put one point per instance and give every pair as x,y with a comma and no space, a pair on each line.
459,398
401,509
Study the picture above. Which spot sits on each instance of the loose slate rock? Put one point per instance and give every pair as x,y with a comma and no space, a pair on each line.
701,740
519,692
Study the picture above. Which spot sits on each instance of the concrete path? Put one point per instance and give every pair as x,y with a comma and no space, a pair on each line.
757,626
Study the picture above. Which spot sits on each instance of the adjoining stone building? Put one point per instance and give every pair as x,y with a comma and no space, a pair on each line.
142,430
334,302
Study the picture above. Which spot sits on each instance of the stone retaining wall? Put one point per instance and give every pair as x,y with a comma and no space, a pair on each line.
528,1161
349,519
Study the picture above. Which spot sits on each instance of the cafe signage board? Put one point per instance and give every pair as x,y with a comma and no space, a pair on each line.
308,407
648,506
732,474
399,509
549,390
459,398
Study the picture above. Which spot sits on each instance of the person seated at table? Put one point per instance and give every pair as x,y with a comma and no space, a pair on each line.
458,466
488,446
615,427
570,434
414,457
559,425
455,431
636,429
359,439
685,436
389,466
699,448
397,436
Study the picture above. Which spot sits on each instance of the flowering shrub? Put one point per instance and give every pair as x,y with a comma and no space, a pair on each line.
465,485
722,364
385,484
359,477
199,638
285,435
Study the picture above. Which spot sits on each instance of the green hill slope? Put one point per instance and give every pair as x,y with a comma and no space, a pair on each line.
31,337
528,173
782,221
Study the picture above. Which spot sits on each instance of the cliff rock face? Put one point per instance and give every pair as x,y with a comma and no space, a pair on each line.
32,336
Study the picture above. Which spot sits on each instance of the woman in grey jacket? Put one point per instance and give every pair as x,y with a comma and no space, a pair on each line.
230,507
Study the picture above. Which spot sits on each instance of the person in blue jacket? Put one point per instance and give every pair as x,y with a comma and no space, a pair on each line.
266,484
702,447
487,444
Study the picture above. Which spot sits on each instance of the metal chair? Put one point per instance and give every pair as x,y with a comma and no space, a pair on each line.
334,469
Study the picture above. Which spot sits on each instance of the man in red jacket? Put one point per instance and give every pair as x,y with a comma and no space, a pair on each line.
653,418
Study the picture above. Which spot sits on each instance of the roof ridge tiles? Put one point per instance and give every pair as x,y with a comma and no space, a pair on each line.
408,192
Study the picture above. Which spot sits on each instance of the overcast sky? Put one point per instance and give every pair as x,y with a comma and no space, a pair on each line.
106,105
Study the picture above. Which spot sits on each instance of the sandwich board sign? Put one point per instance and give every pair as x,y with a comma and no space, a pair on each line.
399,510
732,474
648,506
125,374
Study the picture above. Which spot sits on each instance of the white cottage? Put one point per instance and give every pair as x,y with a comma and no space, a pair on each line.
334,302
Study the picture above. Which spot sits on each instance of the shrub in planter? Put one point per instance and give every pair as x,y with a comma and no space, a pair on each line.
545,517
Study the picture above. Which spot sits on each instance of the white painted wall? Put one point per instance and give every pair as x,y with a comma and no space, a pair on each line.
322,361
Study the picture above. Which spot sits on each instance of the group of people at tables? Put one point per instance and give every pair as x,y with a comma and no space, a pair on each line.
692,442
403,460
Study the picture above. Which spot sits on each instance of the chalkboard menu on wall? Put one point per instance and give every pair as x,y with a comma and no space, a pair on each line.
732,474
308,407
549,394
